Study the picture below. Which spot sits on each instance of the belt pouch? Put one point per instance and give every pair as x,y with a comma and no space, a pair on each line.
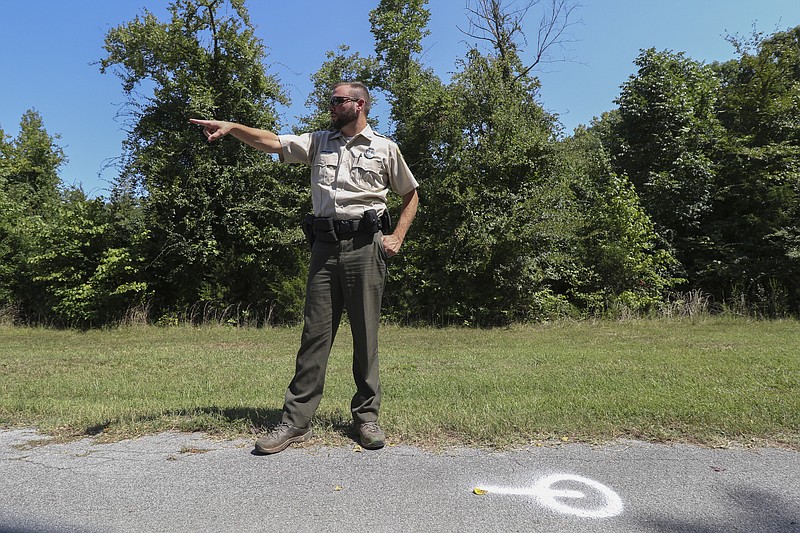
372,223
324,229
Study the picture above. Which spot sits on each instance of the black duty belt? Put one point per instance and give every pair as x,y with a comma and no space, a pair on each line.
329,230
345,227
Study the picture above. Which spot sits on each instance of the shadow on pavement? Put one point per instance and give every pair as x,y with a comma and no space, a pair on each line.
750,510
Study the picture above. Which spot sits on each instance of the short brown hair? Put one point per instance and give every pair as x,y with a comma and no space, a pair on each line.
357,90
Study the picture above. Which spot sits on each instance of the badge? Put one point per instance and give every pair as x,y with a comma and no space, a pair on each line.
370,153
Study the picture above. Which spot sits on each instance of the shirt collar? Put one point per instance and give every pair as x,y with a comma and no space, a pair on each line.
366,133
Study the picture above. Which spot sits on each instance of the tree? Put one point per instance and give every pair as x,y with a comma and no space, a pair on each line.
398,27
501,24
625,264
225,221
713,154
493,235
758,204
64,259
513,225
30,164
86,264
666,136
29,195
414,93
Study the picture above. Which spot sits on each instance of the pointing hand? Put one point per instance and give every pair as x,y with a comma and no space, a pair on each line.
212,129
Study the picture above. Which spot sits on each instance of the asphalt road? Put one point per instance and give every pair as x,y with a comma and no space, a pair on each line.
186,482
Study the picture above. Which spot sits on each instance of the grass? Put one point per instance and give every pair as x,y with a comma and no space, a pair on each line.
714,381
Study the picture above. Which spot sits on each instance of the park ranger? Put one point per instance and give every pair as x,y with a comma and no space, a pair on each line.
352,170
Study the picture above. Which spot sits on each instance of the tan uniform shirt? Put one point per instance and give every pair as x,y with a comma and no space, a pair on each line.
347,178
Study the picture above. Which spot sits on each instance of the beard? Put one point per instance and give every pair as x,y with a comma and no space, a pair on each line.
344,118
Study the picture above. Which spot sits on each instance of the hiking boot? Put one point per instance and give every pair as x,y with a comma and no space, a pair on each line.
280,437
371,435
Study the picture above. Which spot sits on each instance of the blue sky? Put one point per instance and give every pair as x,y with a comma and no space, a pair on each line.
49,47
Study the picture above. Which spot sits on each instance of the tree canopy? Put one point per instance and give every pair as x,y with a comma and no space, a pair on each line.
691,184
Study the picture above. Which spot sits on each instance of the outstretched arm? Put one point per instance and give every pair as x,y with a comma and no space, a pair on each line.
408,211
261,139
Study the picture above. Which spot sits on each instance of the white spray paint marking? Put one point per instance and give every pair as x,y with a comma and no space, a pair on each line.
552,498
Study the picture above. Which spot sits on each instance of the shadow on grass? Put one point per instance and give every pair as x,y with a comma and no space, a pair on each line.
217,420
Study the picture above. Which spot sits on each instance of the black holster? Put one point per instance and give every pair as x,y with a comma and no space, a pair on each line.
308,229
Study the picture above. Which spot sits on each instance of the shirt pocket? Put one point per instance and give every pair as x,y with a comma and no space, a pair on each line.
324,168
368,173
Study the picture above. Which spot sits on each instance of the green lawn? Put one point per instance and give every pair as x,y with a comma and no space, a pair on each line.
715,381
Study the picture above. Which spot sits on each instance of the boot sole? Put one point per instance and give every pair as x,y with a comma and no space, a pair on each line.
373,445
285,444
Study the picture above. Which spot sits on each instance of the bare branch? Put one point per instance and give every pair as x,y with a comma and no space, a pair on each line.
501,23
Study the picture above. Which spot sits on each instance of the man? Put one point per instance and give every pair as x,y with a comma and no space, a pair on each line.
352,169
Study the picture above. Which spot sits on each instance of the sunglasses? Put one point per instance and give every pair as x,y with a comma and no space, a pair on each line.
339,100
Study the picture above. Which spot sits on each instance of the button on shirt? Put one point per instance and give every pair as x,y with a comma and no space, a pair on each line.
349,177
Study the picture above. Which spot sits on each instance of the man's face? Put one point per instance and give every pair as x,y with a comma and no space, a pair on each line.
345,112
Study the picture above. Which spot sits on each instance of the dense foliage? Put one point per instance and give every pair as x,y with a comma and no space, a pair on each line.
691,184
713,153
223,217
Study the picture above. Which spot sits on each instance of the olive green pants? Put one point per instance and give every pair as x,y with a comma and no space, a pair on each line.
351,275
